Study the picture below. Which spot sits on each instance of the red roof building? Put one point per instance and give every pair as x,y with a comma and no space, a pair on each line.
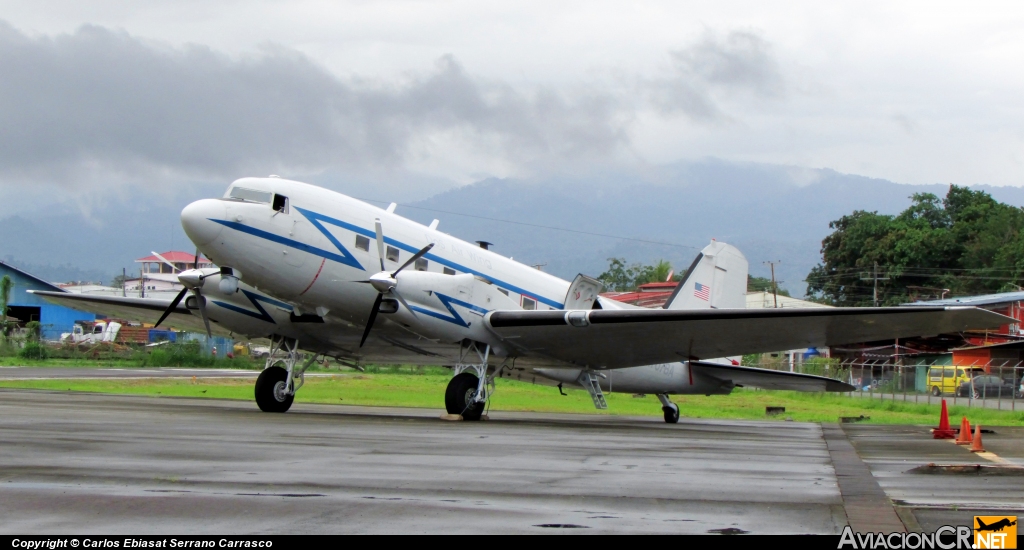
181,261
653,295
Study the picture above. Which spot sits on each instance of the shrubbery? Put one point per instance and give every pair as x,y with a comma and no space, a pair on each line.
180,354
33,350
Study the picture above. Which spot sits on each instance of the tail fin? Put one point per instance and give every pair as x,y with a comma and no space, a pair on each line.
717,279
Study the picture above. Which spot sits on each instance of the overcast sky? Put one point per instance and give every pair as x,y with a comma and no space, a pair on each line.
103,95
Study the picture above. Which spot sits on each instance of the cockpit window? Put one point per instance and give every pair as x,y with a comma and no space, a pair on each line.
250,195
281,203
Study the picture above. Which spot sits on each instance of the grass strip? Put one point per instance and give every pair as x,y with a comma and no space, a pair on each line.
426,390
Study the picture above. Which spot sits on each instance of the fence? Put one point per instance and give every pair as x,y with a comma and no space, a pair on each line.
994,384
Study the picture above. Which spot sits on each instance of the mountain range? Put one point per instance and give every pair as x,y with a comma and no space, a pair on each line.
565,224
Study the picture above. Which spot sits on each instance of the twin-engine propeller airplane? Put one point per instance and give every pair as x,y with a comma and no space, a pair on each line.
319,271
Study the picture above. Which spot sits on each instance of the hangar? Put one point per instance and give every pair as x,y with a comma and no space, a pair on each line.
26,307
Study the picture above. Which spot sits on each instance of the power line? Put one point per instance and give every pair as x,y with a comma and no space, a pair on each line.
876,279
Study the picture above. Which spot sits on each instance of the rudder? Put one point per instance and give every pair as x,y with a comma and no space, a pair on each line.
717,279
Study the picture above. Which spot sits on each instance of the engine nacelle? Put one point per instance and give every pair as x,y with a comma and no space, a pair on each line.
449,308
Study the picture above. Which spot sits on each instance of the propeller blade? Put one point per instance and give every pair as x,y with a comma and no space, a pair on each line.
380,242
402,300
202,311
373,316
166,261
171,308
195,264
415,257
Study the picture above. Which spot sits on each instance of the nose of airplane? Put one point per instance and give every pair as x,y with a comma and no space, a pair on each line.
197,220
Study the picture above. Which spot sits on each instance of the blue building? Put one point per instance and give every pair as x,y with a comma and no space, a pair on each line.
27,307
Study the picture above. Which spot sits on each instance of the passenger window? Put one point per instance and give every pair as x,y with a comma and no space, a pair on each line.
281,204
422,264
392,254
529,303
449,271
363,243
503,291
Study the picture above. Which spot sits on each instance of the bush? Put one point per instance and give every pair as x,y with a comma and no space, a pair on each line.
33,350
183,354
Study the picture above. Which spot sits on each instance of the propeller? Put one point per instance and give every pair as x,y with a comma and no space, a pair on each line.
386,283
191,280
166,261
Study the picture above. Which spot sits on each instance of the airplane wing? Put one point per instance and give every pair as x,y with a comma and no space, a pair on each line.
769,379
137,309
629,338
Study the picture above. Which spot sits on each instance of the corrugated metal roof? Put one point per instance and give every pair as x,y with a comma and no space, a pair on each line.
47,285
1000,345
984,299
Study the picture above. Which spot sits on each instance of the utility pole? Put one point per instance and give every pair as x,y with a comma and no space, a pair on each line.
124,281
775,286
874,276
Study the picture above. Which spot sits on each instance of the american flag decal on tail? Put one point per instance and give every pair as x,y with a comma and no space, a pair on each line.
702,291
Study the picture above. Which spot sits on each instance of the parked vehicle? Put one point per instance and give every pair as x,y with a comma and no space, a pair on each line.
947,380
89,332
986,386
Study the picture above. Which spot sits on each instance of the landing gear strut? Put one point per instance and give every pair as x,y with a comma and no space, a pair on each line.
277,384
671,409
467,392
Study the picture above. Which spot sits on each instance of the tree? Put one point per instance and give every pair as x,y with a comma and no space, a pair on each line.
763,284
6,284
119,281
965,243
620,277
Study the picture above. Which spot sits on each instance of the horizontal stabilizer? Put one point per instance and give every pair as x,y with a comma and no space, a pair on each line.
769,379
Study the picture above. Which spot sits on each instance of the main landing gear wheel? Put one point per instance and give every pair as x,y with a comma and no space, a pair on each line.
671,414
458,398
271,390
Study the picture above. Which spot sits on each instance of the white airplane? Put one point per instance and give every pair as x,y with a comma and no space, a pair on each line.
316,270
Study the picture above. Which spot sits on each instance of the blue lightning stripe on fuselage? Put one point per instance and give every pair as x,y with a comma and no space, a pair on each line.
345,257
318,220
262,314
448,301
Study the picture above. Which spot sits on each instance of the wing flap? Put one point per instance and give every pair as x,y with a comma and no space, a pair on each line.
769,379
628,338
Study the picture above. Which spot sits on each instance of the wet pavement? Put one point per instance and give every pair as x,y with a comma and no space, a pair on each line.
90,463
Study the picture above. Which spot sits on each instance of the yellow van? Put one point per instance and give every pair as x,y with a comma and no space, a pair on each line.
946,380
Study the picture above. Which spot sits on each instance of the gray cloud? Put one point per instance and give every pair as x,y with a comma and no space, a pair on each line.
714,68
104,102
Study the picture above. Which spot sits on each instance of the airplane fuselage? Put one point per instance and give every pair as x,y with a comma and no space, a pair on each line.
314,249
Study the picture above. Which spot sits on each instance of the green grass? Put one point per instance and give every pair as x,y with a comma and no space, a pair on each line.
425,388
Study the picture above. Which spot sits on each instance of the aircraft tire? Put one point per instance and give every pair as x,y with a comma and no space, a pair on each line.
671,414
268,395
459,394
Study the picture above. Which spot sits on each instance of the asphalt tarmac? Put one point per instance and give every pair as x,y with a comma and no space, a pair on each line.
78,463
37,373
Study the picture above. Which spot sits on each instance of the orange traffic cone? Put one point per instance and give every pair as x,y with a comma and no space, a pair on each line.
943,431
976,446
965,433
